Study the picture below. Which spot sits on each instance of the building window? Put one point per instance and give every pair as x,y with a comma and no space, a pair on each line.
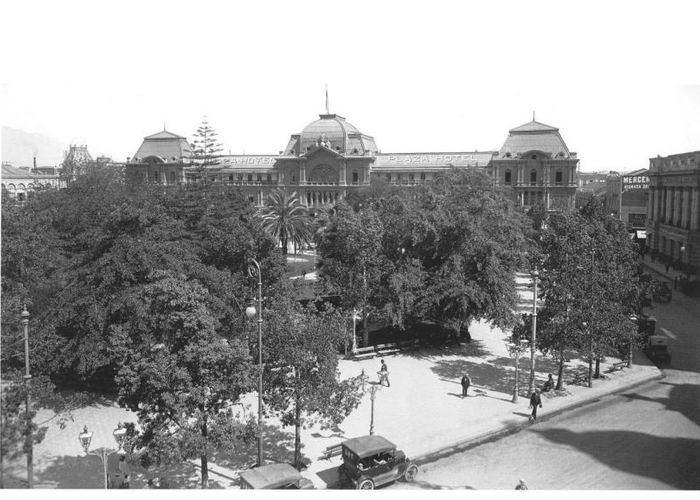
422,176
388,177
250,177
508,177
269,177
230,178
533,177
355,177
557,178
172,176
240,177
156,176
534,157
411,177
258,177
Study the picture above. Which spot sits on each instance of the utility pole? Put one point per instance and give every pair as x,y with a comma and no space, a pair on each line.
533,339
29,445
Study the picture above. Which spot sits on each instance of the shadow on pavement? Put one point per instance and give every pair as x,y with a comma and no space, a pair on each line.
424,485
683,398
673,461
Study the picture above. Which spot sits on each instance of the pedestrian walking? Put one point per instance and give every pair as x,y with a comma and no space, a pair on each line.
466,382
666,266
535,401
384,374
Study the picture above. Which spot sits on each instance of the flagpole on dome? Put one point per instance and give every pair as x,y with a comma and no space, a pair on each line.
327,112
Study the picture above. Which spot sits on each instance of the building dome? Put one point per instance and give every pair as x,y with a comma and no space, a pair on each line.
332,132
534,137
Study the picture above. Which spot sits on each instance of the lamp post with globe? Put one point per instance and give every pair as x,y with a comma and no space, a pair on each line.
254,272
103,454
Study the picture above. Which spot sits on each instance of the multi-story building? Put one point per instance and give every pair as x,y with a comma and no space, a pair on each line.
18,182
330,157
626,197
673,210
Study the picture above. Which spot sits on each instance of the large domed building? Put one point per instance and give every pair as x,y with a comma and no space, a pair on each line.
330,157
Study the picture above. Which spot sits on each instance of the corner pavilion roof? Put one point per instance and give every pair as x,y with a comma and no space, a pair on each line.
165,145
534,136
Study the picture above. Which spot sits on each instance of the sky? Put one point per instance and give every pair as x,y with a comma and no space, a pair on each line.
621,80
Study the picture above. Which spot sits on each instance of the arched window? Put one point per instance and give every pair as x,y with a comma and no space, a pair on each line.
533,177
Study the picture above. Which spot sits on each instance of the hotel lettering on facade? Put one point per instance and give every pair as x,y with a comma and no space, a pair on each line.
331,157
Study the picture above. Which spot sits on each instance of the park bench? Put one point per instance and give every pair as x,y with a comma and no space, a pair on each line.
580,377
617,366
364,353
409,344
387,349
331,451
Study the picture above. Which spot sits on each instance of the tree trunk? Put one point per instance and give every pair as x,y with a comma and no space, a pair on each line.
560,373
365,331
284,245
597,368
297,435
203,458
590,371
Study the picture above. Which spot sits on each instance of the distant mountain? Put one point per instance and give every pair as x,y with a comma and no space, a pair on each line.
19,147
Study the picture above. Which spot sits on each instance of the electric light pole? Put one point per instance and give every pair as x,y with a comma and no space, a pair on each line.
27,386
254,271
531,386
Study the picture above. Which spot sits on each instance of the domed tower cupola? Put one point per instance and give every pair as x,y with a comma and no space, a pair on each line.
332,132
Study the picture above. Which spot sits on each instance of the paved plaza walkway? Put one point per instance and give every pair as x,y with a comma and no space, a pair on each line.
422,412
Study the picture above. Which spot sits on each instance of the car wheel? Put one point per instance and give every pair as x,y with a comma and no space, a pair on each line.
365,484
410,473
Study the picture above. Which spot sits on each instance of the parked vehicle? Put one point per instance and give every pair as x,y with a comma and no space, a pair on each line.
657,349
371,461
274,477
663,293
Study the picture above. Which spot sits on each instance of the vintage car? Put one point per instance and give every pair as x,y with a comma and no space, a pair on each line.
274,477
663,293
656,349
371,461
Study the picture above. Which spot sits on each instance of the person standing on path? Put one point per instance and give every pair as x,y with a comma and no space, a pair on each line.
535,401
384,374
466,382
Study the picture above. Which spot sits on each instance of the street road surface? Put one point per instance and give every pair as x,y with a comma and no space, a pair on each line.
645,438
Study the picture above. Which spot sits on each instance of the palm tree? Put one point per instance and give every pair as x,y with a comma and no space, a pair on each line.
286,219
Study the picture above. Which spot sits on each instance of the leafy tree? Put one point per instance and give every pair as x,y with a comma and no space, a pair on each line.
181,377
286,219
205,148
353,264
301,375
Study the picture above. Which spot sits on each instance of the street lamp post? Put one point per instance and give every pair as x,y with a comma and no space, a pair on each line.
531,386
103,454
27,386
355,317
254,271
515,349
372,394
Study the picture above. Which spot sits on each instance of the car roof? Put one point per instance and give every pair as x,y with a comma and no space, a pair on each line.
364,446
270,476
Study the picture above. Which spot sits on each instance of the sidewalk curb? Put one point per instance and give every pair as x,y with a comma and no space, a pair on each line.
509,429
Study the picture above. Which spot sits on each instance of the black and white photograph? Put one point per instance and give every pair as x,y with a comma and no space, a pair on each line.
443,248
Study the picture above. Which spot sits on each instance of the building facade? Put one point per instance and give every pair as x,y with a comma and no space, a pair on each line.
18,182
673,210
627,196
331,157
